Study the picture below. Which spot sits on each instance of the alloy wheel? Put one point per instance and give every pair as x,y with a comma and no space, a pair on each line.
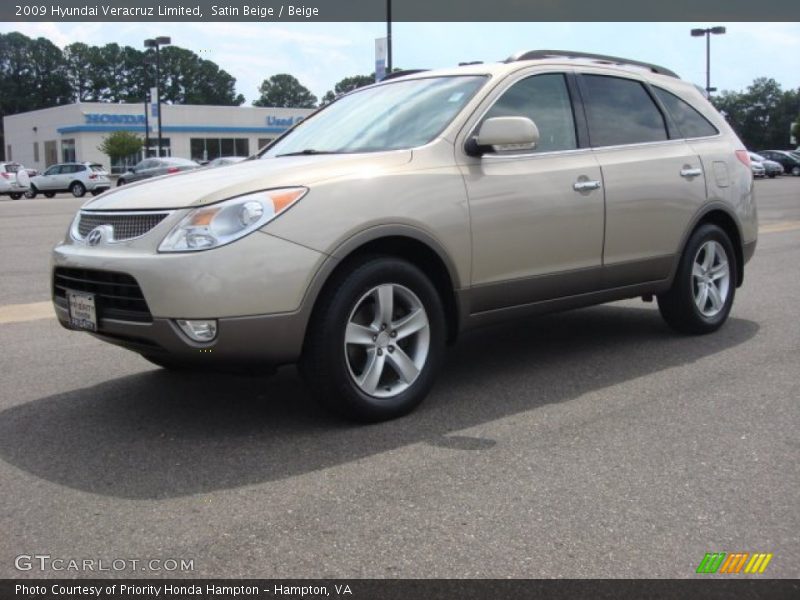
387,340
711,278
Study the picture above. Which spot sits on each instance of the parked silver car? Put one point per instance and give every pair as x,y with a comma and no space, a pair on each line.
75,177
156,167
403,213
14,180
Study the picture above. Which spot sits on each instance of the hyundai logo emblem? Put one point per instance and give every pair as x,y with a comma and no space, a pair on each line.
98,234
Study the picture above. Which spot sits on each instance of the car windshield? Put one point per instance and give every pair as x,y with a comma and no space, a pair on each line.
401,114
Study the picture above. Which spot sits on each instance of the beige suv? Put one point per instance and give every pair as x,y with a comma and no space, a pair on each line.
366,238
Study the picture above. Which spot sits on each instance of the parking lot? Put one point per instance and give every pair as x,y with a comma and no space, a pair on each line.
594,443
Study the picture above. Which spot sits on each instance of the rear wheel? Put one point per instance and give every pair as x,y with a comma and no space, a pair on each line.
376,342
702,294
16,195
77,189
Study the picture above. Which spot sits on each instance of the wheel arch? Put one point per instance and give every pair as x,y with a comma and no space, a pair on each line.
720,215
400,241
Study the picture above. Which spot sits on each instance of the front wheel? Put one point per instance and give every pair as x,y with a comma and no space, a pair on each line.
702,293
77,189
376,341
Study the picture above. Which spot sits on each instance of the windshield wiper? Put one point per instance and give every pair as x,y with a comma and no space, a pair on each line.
307,151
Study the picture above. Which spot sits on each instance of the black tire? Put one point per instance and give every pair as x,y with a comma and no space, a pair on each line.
325,363
120,182
772,175
31,192
49,194
78,189
796,171
16,195
678,306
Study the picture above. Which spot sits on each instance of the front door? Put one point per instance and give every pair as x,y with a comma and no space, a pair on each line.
537,216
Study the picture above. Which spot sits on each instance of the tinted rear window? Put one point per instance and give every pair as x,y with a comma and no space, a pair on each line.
620,111
688,119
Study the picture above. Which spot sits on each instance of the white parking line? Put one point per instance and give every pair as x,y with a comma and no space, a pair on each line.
18,313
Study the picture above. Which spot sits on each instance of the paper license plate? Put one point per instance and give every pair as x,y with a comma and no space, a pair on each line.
82,313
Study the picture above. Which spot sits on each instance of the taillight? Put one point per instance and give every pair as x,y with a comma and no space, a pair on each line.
5,175
744,157
93,176
173,170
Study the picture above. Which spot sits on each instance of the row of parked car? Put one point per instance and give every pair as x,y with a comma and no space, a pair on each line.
771,163
80,178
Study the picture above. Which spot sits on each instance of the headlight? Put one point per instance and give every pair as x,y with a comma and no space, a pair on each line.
222,223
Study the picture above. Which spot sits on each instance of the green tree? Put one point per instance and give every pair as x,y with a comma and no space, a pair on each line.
762,114
188,79
348,84
284,91
796,131
120,144
32,75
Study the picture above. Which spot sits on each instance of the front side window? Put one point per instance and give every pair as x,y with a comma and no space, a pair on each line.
620,111
395,115
688,119
52,170
543,99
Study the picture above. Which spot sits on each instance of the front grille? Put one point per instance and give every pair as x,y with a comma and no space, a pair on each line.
126,225
116,295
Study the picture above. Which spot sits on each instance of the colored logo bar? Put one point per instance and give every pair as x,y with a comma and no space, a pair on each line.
734,562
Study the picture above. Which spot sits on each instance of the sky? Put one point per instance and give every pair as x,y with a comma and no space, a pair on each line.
320,54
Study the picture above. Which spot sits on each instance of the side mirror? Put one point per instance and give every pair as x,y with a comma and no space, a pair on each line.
133,169
501,134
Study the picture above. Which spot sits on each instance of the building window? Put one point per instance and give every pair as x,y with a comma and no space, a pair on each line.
264,142
50,153
36,152
211,148
68,150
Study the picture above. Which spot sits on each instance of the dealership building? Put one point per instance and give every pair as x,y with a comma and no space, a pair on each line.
73,132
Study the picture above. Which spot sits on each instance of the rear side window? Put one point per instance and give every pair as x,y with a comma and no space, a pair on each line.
689,121
620,111
545,100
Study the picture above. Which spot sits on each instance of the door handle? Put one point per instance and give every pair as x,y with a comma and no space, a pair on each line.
585,186
689,172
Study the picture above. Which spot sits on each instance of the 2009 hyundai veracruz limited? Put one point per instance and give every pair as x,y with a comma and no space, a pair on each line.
369,235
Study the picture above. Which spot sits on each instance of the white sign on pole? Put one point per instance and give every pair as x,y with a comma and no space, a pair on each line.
380,58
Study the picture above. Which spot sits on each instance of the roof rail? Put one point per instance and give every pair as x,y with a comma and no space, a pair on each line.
537,54
396,74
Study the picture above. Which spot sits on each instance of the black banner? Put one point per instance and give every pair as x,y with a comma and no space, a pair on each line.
428,589
402,10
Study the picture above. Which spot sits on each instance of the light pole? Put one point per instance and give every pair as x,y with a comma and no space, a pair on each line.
708,32
157,43
388,36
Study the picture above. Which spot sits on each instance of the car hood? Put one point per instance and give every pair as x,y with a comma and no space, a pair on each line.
206,186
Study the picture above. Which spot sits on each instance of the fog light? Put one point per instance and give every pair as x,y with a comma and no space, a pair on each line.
199,330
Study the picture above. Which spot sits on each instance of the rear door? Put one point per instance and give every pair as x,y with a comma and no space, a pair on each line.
654,181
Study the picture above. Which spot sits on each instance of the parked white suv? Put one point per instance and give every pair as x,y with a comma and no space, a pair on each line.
76,178
14,180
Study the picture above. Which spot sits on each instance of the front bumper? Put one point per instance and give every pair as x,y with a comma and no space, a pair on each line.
255,288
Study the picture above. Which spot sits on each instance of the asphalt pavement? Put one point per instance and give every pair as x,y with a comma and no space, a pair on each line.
594,443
